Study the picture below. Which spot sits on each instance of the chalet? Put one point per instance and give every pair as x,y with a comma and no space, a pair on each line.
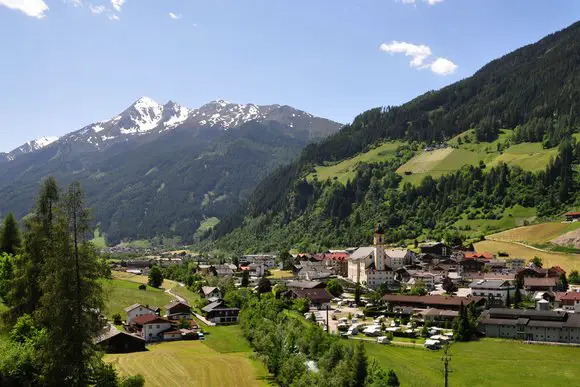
210,291
437,316
268,260
496,266
435,248
493,289
532,284
318,298
338,261
572,216
531,271
570,301
152,326
311,271
219,314
485,256
178,310
112,340
531,325
515,264
427,258
137,310
427,302
471,266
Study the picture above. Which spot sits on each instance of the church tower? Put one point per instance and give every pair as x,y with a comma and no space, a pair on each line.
379,245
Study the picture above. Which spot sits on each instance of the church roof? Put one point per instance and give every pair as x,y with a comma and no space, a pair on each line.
362,252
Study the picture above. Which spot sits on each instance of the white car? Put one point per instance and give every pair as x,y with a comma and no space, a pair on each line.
383,340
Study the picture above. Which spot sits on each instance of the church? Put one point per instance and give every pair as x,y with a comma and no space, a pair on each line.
374,265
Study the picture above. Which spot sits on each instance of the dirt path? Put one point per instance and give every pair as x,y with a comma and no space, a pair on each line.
177,297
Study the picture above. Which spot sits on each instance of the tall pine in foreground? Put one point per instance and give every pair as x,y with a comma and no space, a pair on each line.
10,236
72,299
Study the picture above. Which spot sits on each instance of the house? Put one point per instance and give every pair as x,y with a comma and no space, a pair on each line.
257,269
305,284
137,310
310,271
572,216
435,248
531,271
172,335
485,256
531,325
427,302
210,291
268,260
496,266
337,260
152,326
437,316
370,266
318,298
532,284
429,279
178,310
219,314
570,301
515,264
493,289
471,266
113,340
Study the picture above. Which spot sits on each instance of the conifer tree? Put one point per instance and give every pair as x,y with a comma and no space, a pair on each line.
10,236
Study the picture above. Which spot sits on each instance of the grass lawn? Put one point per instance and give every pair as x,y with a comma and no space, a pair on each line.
537,233
99,240
277,274
565,261
122,294
512,217
528,156
191,363
226,339
488,362
141,279
346,169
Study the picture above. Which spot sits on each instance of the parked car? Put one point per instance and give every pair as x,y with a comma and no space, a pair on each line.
383,340
201,336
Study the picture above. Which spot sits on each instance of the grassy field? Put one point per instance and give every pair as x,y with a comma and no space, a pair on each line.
205,225
99,239
528,156
346,169
121,294
537,233
485,363
191,363
278,274
565,261
141,279
512,217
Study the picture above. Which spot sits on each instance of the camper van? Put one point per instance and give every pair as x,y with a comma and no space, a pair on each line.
383,340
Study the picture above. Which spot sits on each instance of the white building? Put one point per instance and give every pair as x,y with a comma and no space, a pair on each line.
498,289
152,326
373,266
137,310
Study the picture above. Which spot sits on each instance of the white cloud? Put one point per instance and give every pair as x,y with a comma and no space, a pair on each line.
443,66
419,55
33,8
430,2
114,17
97,9
433,2
117,4
418,52
75,3
175,16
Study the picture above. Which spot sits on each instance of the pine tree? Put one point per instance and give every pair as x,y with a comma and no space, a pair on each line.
10,236
508,299
360,363
72,297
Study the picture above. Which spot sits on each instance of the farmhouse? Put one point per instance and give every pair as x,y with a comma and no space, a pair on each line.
178,310
570,301
435,248
137,310
572,216
115,341
532,284
209,292
219,314
318,298
531,325
152,326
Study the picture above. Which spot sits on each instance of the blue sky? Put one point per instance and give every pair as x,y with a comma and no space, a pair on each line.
67,63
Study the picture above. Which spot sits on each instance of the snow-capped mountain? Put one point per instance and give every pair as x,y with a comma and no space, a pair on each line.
145,117
29,147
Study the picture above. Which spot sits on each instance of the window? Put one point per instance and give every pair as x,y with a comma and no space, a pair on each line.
157,326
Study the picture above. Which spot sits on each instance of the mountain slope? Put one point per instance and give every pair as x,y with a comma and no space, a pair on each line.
533,91
161,169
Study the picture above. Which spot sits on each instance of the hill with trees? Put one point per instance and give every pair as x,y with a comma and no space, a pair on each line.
528,96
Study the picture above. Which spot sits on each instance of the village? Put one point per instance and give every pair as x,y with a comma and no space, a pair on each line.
390,295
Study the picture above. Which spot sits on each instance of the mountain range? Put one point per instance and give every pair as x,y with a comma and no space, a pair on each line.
160,170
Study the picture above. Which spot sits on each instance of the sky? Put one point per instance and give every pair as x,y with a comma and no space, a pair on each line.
67,63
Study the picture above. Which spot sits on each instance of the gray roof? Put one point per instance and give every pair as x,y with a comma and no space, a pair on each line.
362,252
212,306
303,284
396,253
488,284
112,331
208,289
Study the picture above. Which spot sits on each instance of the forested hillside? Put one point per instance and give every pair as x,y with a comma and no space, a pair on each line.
534,91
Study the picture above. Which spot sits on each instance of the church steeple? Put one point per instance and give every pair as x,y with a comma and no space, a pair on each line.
379,235
379,245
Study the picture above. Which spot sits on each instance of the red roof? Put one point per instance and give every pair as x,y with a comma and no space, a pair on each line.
336,256
557,269
149,319
573,213
570,296
475,255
